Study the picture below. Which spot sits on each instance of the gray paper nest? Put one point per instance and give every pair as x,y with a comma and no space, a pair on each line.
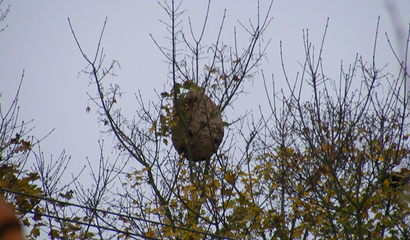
198,131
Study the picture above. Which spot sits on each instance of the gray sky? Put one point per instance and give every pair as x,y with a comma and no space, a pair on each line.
38,40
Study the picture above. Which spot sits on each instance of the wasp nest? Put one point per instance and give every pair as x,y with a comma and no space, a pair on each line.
198,131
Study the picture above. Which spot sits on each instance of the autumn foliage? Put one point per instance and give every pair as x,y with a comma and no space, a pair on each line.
329,159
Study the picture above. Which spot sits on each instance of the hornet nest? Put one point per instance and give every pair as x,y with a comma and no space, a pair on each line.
198,131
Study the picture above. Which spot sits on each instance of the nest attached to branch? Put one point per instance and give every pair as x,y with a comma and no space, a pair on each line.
199,128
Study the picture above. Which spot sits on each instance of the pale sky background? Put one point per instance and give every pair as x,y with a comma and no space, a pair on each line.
38,40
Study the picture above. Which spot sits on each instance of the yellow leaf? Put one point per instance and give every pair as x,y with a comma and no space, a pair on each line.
217,183
154,125
230,177
54,233
25,146
35,232
386,182
298,232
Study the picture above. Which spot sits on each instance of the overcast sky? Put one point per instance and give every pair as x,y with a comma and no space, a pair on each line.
38,40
